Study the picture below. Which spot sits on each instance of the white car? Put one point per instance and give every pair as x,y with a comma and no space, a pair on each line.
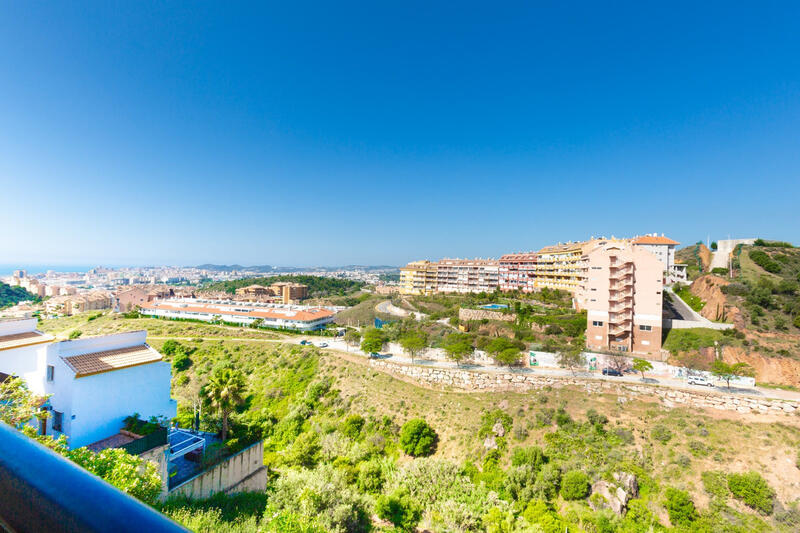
699,380
322,345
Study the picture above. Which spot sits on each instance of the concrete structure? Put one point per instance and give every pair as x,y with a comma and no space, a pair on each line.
289,292
664,249
253,292
93,383
560,266
623,299
467,275
418,278
721,258
246,313
244,471
518,272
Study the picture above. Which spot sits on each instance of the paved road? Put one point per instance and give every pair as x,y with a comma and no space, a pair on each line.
336,346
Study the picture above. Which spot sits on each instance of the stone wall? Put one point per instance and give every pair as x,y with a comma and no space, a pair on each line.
484,314
242,472
469,380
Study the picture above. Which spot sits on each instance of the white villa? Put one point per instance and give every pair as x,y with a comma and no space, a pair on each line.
93,383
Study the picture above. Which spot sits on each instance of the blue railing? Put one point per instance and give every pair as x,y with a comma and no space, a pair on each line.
43,491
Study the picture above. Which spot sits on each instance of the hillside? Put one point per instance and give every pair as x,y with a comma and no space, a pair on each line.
501,462
13,295
318,286
697,257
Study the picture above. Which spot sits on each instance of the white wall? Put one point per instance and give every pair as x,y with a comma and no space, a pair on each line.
101,402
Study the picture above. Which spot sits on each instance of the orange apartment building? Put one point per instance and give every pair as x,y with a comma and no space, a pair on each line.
518,272
282,291
623,298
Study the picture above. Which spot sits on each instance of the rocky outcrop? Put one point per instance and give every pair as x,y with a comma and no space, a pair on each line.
708,289
779,370
469,380
616,495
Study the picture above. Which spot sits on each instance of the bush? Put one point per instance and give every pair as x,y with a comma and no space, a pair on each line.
533,456
595,418
181,362
370,477
352,425
753,490
715,483
399,509
680,507
763,260
417,438
574,485
74,334
661,434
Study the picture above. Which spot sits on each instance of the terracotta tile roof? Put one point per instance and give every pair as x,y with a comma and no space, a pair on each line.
23,339
526,256
650,239
88,364
308,315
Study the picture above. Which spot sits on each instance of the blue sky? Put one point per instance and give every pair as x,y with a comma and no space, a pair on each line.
305,133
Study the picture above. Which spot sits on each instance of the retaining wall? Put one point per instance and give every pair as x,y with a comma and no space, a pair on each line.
242,472
487,382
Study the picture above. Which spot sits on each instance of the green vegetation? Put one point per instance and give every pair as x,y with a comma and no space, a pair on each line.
13,295
338,445
763,260
686,295
754,492
691,339
224,391
417,438
728,371
75,334
318,286
642,366
373,340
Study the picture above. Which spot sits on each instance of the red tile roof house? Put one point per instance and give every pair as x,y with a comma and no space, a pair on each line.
93,383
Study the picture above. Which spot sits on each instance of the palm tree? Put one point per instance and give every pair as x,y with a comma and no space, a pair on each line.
225,390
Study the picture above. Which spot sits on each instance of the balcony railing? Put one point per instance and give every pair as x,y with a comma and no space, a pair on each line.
43,491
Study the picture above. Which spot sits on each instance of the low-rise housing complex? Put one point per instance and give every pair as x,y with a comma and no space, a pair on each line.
295,317
285,292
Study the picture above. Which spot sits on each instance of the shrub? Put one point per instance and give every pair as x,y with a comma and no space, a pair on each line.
399,509
715,483
680,507
352,425
661,434
545,417
753,490
574,485
370,477
563,418
763,260
181,362
595,418
74,334
417,438
533,456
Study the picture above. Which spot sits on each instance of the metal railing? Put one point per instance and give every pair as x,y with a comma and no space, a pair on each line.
43,491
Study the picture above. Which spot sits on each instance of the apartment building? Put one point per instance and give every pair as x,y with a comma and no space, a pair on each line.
623,298
664,249
561,266
289,292
518,272
467,275
418,278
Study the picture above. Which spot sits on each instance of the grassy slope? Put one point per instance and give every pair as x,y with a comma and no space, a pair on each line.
279,374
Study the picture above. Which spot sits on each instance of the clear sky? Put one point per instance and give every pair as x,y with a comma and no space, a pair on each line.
322,133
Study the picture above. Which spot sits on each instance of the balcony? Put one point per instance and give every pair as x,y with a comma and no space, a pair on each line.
43,491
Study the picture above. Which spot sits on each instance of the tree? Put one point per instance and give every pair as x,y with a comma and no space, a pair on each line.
570,356
680,507
642,366
458,346
414,342
574,485
224,390
352,337
400,509
503,351
373,340
618,362
417,438
727,371
18,405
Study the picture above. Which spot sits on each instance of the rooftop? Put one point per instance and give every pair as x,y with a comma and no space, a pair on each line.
239,309
88,364
653,239
23,339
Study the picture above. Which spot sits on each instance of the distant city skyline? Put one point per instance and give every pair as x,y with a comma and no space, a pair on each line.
363,133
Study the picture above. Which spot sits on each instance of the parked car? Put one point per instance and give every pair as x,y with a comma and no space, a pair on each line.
304,342
699,380
374,355
611,372
322,345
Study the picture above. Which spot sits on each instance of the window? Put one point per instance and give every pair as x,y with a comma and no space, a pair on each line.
597,323
58,420
645,343
594,289
51,370
645,328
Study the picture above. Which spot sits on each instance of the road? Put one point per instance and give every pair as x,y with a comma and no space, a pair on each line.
338,346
